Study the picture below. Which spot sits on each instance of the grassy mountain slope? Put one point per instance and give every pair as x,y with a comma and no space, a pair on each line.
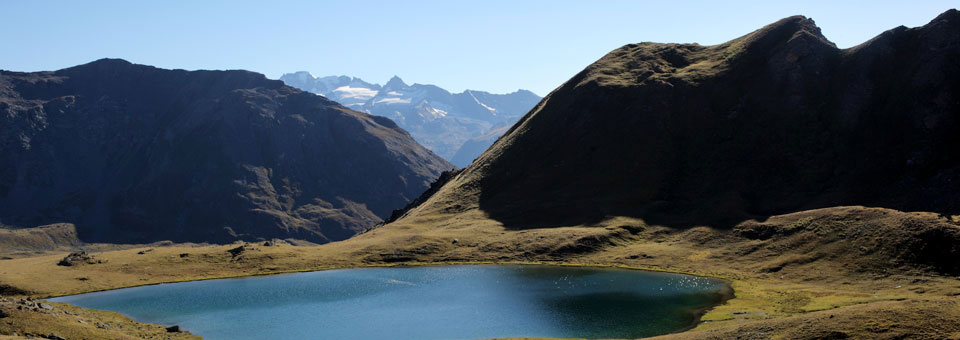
776,121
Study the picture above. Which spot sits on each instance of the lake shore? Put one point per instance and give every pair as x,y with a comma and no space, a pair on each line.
483,300
781,283
104,317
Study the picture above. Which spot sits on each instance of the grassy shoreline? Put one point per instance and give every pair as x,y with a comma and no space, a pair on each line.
808,278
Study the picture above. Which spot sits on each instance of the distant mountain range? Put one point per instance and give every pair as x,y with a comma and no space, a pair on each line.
440,120
133,153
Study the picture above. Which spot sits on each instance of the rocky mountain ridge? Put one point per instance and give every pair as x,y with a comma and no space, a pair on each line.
133,153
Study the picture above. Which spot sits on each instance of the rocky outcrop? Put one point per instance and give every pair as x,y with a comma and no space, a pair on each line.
78,258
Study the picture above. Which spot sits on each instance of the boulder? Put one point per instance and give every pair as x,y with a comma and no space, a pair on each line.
79,257
237,251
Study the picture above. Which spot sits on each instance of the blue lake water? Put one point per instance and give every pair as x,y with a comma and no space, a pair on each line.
423,303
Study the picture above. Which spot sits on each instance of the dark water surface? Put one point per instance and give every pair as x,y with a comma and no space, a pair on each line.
423,303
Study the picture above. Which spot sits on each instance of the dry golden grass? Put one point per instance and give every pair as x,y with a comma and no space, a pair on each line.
781,283
48,240
71,322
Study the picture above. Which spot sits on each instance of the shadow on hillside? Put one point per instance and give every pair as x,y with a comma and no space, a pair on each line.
720,194
574,213
726,150
707,198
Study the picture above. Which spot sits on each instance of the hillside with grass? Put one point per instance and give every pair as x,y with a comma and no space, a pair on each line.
777,121
816,178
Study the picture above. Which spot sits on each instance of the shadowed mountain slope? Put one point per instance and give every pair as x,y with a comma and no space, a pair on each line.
776,121
134,153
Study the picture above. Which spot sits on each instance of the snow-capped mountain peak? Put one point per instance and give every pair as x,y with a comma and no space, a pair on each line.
440,120
305,76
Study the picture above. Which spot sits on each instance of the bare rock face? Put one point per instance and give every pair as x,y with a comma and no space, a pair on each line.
776,121
134,153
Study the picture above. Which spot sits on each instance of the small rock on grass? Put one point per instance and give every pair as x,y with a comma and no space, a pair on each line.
237,251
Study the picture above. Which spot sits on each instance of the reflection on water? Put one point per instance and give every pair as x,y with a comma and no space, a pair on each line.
612,303
450,302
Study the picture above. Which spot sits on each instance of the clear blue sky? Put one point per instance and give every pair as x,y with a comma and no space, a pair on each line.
490,45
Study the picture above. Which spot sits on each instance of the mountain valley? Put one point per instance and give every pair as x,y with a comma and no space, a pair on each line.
820,183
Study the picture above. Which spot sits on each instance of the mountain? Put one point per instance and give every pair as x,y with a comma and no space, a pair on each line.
440,120
803,173
350,92
777,121
134,153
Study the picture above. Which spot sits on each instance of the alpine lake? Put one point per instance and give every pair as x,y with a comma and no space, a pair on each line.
424,303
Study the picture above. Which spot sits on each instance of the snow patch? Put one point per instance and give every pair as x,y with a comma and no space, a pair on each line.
481,104
392,101
435,112
355,92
